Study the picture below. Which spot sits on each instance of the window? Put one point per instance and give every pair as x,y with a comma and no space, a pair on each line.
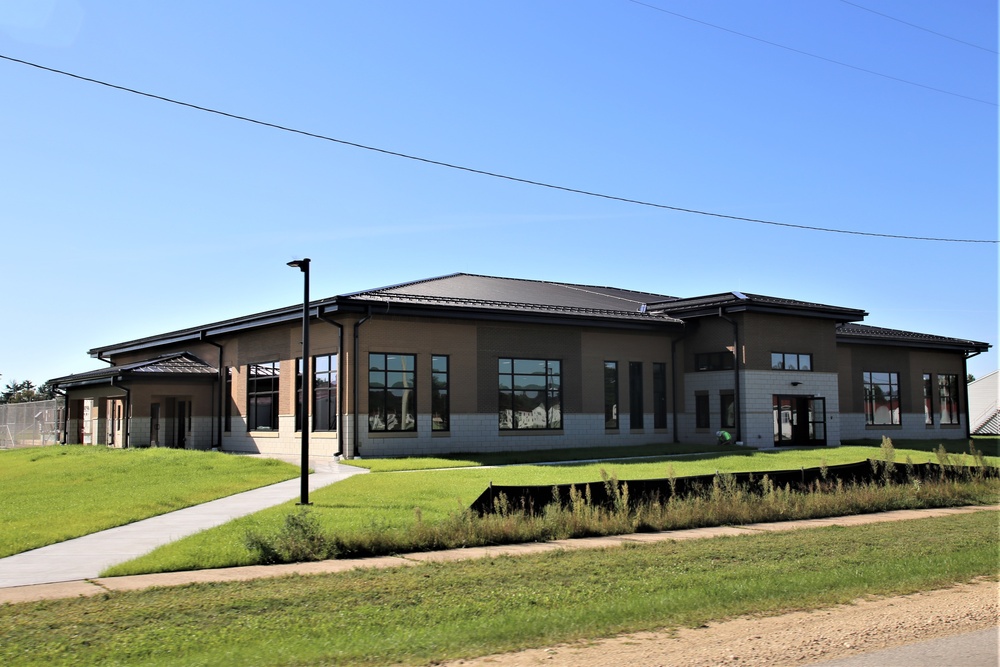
714,361
228,400
881,398
635,394
785,361
702,418
659,395
611,394
530,394
948,395
392,400
440,405
262,396
324,393
727,405
928,400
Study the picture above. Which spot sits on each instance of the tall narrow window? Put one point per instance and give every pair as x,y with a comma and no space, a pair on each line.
948,395
702,417
611,394
324,393
928,400
392,400
440,391
635,401
530,394
227,399
881,398
659,395
727,406
262,396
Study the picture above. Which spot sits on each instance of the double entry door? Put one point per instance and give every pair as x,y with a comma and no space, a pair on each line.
799,420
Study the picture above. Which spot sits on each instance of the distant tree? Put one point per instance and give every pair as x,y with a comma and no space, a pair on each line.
24,392
970,378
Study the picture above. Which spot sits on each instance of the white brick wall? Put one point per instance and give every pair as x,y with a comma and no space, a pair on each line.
912,427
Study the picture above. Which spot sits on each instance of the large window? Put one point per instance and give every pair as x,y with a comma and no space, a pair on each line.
635,395
324,393
440,391
228,400
659,395
787,361
948,395
714,361
611,394
881,398
928,400
392,399
530,394
702,415
262,396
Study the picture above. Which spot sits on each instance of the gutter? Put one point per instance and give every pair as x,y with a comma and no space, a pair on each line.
354,381
321,314
736,375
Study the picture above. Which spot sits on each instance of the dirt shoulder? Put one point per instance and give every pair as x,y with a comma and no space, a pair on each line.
798,638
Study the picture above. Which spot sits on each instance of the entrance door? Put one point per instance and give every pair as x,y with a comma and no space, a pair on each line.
799,420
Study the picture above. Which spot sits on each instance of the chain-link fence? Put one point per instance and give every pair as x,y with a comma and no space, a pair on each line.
30,424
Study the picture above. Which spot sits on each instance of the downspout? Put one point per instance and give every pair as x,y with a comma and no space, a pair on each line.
220,407
736,375
340,368
354,380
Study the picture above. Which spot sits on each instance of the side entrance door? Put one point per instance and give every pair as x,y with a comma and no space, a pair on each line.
799,420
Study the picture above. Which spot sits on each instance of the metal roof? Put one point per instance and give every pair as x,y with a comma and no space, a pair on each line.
177,365
862,333
738,301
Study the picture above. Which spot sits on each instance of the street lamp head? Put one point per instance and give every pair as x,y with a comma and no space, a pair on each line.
301,264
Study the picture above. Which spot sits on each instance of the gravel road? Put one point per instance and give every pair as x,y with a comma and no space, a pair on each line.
798,638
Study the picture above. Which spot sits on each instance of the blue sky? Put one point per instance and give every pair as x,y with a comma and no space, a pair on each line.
125,216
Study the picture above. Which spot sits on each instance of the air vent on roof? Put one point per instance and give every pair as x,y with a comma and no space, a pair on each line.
740,295
642,308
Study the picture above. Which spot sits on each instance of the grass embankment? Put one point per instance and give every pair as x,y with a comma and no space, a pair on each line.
51,494
387,512
434,612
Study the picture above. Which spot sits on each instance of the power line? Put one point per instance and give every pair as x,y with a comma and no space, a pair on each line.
482,172
918,27
813,55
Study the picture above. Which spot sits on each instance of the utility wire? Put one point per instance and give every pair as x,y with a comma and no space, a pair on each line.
919,27
813,55
488,173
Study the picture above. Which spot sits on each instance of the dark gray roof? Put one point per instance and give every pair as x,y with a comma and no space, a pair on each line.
738,301
862,333
176,365
463,290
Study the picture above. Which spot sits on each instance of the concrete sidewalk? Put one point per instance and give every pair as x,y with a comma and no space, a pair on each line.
86,557
90,586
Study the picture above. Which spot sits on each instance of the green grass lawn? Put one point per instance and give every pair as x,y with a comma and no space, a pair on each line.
50,494
387,501
432,612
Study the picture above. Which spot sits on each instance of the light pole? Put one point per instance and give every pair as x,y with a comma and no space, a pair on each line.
303,265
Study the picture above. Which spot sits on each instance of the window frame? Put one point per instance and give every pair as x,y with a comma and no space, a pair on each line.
782,363
636,413
928,381
714,361
702,411
948,403
659,394
331,375
440,395
871,409
727,407
551,394
406,422
611,396
269,387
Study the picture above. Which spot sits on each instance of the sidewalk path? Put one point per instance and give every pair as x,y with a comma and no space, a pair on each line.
86,557
87,586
